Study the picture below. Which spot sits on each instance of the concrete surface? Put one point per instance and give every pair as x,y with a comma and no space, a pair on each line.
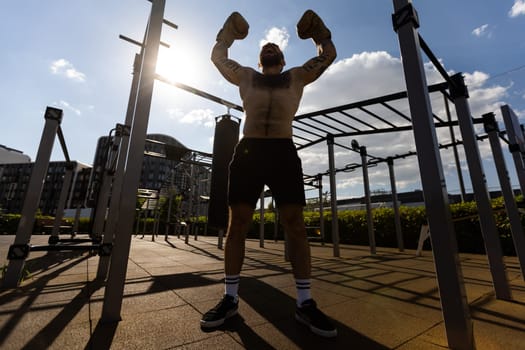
386,301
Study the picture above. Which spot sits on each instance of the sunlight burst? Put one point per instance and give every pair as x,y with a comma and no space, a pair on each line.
177,66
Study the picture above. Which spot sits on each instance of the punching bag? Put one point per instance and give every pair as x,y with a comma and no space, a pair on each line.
226,137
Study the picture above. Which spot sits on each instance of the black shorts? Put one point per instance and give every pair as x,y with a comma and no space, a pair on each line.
271,162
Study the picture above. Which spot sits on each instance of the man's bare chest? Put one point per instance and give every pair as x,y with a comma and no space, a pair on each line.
264,92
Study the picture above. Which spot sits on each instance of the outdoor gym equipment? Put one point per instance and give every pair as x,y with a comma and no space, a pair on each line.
19,251
457,319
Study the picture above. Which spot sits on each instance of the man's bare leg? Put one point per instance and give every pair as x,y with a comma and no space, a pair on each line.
299,249
291,216
306,311
241,216
240,220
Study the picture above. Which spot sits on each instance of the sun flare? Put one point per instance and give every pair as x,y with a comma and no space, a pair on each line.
177,66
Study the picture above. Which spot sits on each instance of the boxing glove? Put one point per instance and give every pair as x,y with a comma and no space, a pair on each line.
235,27
311,26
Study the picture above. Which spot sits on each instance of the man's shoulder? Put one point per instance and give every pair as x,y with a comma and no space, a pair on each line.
296,71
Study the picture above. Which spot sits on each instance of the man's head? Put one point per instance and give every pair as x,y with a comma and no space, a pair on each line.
271,56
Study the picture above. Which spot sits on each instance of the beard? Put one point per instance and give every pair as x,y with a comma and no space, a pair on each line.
270,60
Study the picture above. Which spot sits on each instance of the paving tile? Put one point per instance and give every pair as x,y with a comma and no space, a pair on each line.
382,301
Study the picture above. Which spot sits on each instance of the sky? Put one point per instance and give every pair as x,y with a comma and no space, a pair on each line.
67,54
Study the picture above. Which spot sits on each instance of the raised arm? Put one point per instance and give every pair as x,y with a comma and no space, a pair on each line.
311,26
235,27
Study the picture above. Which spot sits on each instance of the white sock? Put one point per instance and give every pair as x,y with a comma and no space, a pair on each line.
231,285
303,290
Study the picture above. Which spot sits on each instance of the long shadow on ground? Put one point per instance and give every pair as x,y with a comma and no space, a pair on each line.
279,308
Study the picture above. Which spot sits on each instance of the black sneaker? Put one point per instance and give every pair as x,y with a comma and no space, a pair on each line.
309,315
226,308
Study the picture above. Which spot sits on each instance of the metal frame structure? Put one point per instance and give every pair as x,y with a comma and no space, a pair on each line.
373,116
313,128
458,323
139,110
359,118
309,129
131,154
518,235
20,249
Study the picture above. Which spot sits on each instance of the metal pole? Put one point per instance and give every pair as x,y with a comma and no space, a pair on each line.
333,194
197,205
395,205
517,146
156,218
275,222
53,117
261,220
196,200
119,258
200,93
146,216
77,218
116,190
487,222
59,214
518,236
368,201
458,324
102,204
321,208
170,204
69,203
455,150
221,238
190,205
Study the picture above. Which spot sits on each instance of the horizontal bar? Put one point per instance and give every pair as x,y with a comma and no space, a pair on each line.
138,43
76,240
200,93
170,24
386,98
65,247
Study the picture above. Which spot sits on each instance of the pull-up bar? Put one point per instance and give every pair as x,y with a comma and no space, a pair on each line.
135,42
228,104
200,93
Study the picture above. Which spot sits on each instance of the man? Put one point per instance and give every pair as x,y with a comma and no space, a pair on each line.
266,155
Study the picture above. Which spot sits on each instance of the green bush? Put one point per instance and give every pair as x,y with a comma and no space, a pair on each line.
353,228
9,223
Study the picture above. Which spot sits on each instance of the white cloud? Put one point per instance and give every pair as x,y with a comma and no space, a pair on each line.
279,36
517,9
362,76
475,79
175,113
65,68
205,117
68,106
482,31
374,74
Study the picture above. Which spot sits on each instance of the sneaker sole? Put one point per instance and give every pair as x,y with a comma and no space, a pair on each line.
220,322
315,330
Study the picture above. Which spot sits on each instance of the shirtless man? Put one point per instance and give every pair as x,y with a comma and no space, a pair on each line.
266,155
